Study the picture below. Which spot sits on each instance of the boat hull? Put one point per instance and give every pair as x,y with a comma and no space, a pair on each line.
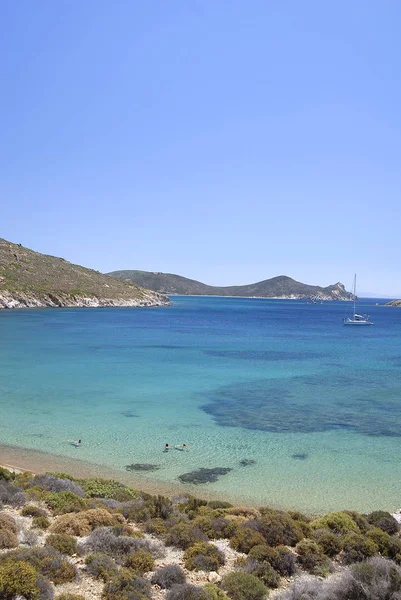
358,323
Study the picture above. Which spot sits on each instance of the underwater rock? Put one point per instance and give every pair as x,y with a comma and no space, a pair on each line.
204,475
142,467
247,462
300,456
129,414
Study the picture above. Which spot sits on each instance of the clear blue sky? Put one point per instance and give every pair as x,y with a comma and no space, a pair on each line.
225,140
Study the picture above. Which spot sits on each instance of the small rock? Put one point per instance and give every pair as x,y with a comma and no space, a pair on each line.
214,577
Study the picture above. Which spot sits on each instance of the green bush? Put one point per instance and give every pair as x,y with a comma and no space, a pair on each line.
338,522
214,592
8,522
184,535
359,519
101,566
219,504
243,586
126,586
203,557
18,578
330,542
8,539
33,511
381,539
46,560
156,526
278,528
357,547
64,543
40,522
311,557
6,474
383,520
140,561
263,571
62,503
244,539
280,558
107,488
214,527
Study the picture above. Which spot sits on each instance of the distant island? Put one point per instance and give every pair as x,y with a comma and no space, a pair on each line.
281,287
394,303
32,280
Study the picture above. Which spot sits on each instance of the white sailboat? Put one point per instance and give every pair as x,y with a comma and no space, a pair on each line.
357,319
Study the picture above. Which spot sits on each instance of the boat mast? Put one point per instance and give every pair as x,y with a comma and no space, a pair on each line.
354,291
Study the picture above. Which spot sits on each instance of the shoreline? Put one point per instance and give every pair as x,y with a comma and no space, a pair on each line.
38,462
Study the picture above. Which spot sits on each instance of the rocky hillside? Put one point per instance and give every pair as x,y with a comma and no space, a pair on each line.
394,303
29,279
277,287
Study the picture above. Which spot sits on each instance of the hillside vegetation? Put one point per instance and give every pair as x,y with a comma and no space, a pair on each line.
276,287
29,279
63,538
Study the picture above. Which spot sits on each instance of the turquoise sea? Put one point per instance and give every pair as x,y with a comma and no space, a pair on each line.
283,383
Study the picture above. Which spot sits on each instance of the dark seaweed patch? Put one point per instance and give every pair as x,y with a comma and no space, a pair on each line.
265,355
204,475
300,456
247,462
142,467
129,414
362,402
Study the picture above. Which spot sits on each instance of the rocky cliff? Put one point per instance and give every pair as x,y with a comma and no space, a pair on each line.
394,303
29,279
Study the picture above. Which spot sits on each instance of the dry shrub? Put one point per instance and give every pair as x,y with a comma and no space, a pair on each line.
126,586
184,535
243,511
167,576
68,596
46,560
33,511
82,523
106,540
101,566
8,539
11,495
8,522
51,483
203,557
187,591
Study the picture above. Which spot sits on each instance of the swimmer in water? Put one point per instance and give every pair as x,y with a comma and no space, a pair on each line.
181,447
76,443
166,448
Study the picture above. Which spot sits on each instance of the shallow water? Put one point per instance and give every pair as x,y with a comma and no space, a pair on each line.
283,383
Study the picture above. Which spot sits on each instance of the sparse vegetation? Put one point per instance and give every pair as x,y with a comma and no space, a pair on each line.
118,554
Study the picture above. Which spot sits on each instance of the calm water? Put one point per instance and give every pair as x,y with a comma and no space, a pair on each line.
315,404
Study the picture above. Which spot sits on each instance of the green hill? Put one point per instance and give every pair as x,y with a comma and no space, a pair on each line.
30,279
276,287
